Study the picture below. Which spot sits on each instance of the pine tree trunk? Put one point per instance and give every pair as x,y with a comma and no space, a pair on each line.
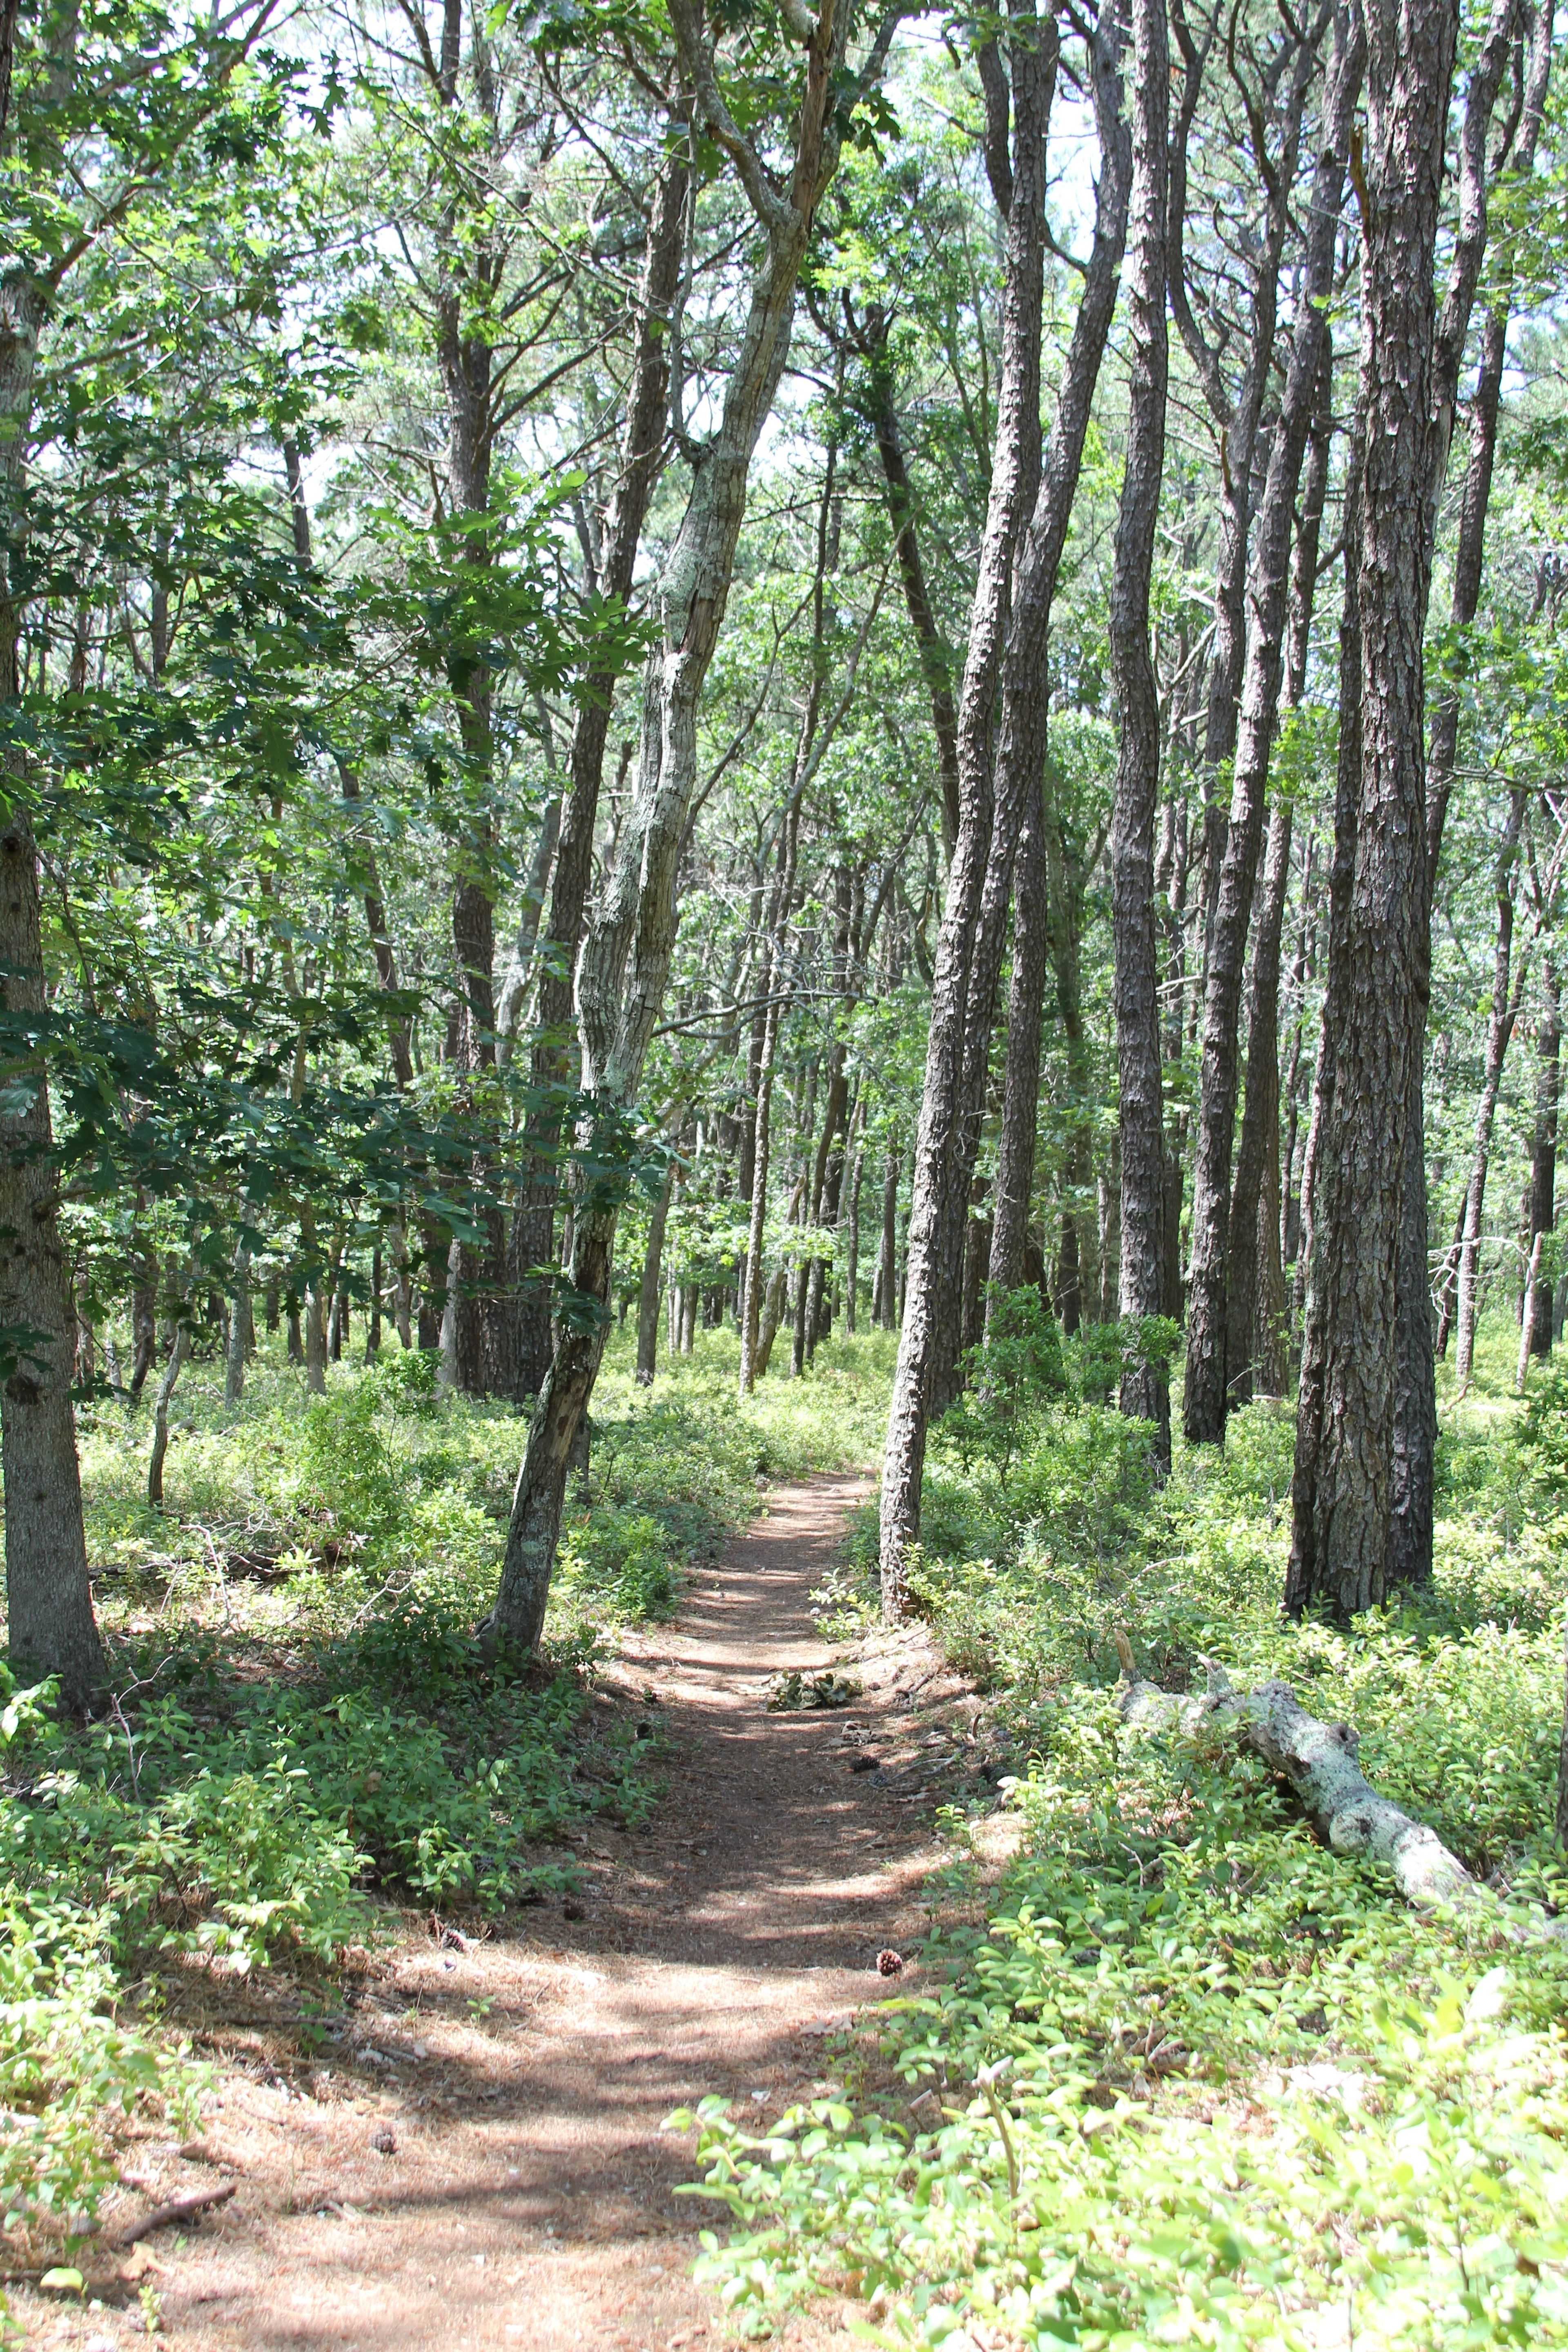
930,1339
886,1313
1343,1492
1142,1122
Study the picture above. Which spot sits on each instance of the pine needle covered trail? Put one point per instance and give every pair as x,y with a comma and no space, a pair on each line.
528,2198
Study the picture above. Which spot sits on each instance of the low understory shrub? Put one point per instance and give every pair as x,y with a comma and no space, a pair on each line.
1181,2077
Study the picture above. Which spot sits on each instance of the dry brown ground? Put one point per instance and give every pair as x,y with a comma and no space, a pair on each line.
528,2198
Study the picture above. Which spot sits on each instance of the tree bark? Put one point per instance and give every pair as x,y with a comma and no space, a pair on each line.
1205,1395
1318,1761
1342,1488
1021,1080
1142,1131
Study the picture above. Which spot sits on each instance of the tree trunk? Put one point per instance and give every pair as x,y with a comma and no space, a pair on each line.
1499,1030
1341,1489
161,1414
315,1339
1410,1533
887,1253
649,1288
48,1601
884,420
625,958
929,1341
647,406
852,1274
1543,1160
1021,1082
372,1328
1009,624
1204,1398
238,1329
1142,1205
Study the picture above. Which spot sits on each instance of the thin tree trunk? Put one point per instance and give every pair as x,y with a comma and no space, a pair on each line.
652,1276
852,1274
887,1256
1543,1160
1506,991
373,1329
1021,1081
1142,1204
1341,1490
238,1329
1204,1402
884,420
177,1354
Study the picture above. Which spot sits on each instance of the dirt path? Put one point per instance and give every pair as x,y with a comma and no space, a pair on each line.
527,2195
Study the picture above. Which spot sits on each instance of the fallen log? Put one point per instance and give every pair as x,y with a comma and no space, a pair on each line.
1318,1762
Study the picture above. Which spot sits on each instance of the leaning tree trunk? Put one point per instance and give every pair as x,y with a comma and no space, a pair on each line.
1143,1126
1204,1394
627,954
647,404
1008,648
1342,1488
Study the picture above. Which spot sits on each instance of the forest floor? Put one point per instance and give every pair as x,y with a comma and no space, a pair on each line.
523,2191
